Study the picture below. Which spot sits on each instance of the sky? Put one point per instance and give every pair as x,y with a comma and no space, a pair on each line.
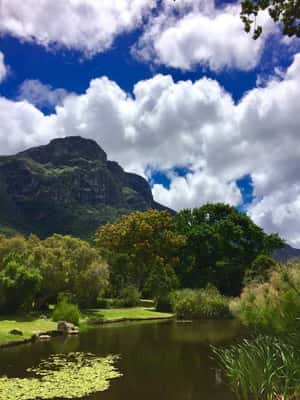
173,90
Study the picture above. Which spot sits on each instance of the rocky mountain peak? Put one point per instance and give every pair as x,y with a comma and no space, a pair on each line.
68,186
62,151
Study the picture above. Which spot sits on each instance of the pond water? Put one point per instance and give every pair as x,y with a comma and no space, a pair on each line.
159,360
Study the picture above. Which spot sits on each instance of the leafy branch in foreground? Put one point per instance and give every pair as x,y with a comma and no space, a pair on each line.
286,12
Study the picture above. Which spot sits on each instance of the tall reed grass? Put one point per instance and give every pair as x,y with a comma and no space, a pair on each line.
265,368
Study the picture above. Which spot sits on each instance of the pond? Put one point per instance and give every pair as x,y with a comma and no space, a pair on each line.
158,360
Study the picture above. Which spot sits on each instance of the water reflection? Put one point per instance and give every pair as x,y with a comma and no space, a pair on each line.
159,360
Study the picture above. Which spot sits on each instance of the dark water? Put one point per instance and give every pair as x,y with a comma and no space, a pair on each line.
159,360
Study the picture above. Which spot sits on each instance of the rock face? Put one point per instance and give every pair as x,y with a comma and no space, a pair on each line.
67,187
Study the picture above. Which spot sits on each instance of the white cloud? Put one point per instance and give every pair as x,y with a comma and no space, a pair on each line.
280,211
86,25
196,125
41,95
190,33
3,68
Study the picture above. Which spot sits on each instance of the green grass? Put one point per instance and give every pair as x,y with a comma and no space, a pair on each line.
29,326
127,313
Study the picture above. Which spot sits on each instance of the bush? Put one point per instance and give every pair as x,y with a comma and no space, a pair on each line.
200,304
273,306
65,311
163,304
130,297
103,303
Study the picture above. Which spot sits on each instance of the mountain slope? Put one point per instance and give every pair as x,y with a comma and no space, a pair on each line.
286,253
68,187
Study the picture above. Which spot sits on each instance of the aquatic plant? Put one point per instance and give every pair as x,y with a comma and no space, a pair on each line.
265,368
67,376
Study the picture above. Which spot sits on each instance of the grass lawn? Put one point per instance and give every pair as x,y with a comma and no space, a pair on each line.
128,313
28,325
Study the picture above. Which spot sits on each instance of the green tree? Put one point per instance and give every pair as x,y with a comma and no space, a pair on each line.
19,283
71,265
138,246
221,243
286,12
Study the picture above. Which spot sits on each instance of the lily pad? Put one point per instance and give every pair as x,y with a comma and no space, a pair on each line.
67,376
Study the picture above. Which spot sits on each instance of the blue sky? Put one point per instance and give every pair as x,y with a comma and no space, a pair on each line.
177,92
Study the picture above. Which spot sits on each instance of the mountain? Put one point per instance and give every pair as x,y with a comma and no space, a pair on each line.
68,186
286,253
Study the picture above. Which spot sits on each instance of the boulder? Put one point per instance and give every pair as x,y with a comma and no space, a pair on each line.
67,328
16,331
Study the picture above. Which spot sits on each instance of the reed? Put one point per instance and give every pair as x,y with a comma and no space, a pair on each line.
265,368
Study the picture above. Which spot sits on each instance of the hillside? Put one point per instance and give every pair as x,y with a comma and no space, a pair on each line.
68,186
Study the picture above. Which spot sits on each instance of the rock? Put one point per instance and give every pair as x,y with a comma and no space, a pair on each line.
16,331
43,316
44,337
45,189
67,328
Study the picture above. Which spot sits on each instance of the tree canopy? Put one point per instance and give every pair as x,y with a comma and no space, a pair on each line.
221,244
142,249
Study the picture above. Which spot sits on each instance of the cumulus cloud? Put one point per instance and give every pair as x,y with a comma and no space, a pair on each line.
189,33
86,25
41,95
3,68
196,125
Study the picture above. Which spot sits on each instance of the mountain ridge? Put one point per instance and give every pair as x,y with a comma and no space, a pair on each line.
68,186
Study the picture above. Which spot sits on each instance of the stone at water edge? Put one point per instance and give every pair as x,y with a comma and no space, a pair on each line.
67,327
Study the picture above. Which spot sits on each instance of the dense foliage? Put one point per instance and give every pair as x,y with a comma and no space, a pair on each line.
200,304
221,244
34,272
147,254
142,249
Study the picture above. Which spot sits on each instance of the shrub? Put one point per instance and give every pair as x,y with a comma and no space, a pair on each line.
163,303
130,297
273,306
65,311
265,368
103,302
200,304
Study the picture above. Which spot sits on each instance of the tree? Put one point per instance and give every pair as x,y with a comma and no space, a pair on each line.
221,243
139,246
71,265
286,12
65,264
19,283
